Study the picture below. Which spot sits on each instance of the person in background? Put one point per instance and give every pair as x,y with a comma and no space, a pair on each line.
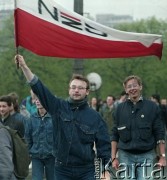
164,101
6,105
94,104
122,98
164,105
106,111
137,130
76,128
15,110
6,155
156,98
28,104
39,136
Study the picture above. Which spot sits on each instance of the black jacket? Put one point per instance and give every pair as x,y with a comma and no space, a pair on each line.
138,127
14,123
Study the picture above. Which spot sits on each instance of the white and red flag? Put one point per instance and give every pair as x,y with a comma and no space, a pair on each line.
47,29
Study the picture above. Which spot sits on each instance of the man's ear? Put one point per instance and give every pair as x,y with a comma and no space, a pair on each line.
125,89
87,92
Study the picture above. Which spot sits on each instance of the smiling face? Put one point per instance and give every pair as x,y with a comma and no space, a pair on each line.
133,88
78,89
4,109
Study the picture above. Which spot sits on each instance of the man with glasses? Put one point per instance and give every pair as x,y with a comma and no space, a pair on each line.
137,131
76,128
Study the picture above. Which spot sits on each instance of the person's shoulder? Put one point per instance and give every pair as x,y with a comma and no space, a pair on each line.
4,134
3,129
90,109
149,102
103,107
92,113
18,115
121,104
17,118
34,115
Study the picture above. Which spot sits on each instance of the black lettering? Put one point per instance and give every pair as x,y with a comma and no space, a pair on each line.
53,14
68,21
92,30
72,23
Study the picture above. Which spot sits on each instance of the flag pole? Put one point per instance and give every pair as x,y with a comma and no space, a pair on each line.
78,63
15,28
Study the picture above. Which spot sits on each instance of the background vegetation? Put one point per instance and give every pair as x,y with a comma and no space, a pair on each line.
56,72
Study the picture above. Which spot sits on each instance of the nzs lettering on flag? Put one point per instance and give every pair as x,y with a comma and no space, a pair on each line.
47,29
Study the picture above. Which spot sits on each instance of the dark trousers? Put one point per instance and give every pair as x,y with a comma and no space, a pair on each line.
43,167
63,172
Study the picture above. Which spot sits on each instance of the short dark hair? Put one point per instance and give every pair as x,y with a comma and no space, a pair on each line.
113,97
80,77
123,93
157,97
15,98
7,99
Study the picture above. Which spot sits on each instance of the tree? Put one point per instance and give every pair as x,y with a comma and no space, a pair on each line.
56,72
150,69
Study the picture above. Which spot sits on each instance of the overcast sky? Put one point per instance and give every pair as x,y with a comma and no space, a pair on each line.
136,8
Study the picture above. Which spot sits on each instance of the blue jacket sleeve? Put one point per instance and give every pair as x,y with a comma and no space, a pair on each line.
49,101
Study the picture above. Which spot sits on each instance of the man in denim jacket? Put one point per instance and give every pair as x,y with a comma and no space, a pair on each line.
76,128
39,136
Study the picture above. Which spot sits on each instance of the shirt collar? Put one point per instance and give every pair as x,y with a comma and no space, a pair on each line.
140,99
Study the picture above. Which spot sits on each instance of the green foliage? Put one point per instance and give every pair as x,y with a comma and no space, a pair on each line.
56,72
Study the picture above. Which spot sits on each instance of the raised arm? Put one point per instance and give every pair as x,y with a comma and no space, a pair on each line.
22,64
47,99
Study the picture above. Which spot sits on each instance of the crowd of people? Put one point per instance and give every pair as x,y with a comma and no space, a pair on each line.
65,137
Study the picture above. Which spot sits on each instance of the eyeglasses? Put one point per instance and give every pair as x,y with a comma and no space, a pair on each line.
79,87
132,86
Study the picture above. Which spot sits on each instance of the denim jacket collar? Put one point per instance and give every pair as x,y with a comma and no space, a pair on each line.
77,104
